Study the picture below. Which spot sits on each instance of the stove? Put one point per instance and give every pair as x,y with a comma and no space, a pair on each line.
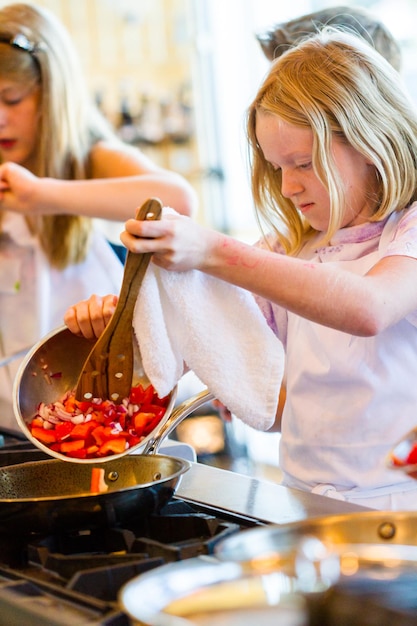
75,577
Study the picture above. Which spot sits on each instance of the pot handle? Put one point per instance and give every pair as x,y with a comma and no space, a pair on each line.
178,414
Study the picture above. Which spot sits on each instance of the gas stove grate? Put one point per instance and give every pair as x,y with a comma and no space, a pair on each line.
75,577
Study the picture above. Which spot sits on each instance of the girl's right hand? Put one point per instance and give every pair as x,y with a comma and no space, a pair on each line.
176,242
89,318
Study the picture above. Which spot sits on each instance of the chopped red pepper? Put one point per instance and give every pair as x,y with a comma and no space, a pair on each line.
113,446
63,430
70,446
77,454
44,435
139,395
141,420
102,428
412,456
83,430
98,484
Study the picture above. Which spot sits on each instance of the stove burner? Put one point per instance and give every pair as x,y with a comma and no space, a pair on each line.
86,569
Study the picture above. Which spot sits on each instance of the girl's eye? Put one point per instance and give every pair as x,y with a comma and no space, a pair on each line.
304,166
12,98
12,101
16,95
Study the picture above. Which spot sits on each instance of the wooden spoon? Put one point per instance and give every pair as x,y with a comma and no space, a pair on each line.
108,370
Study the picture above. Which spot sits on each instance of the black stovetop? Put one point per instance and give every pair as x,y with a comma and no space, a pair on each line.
75,577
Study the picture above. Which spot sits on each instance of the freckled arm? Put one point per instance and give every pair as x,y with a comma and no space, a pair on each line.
324,293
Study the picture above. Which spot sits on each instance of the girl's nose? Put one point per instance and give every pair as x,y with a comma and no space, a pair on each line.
290,185
3,115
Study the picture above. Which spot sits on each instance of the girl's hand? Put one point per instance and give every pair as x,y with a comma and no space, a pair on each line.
17,188
177,242
89,318
223,411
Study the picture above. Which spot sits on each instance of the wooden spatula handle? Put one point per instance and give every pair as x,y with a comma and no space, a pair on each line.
108,371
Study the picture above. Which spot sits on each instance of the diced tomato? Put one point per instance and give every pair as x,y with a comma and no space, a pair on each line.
101,434
145,423
113,446
98,435
44,435
121,418
70,404
92,450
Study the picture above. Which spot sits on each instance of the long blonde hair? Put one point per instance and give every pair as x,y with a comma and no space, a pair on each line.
70,124
337,85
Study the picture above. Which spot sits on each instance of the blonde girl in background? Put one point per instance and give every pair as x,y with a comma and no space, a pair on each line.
61,165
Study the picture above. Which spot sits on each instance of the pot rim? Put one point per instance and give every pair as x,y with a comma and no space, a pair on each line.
58,455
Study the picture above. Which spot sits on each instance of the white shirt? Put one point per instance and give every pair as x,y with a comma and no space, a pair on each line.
349,399
34,297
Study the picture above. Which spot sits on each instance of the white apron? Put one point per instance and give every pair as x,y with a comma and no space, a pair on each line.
341,417
34,297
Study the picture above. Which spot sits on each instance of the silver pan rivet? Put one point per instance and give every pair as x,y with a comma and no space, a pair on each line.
113,476
386,530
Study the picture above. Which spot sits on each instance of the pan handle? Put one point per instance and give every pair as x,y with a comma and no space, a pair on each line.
178,414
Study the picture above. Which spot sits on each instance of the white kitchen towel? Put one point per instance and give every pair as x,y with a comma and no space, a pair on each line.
218,331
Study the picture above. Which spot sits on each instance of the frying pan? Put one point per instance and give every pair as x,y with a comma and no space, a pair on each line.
48,496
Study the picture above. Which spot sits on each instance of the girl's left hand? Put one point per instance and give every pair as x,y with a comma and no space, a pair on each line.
89,318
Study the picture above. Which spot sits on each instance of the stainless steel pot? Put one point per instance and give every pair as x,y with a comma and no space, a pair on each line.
287,574
359,542
390,528
203,591
52,367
